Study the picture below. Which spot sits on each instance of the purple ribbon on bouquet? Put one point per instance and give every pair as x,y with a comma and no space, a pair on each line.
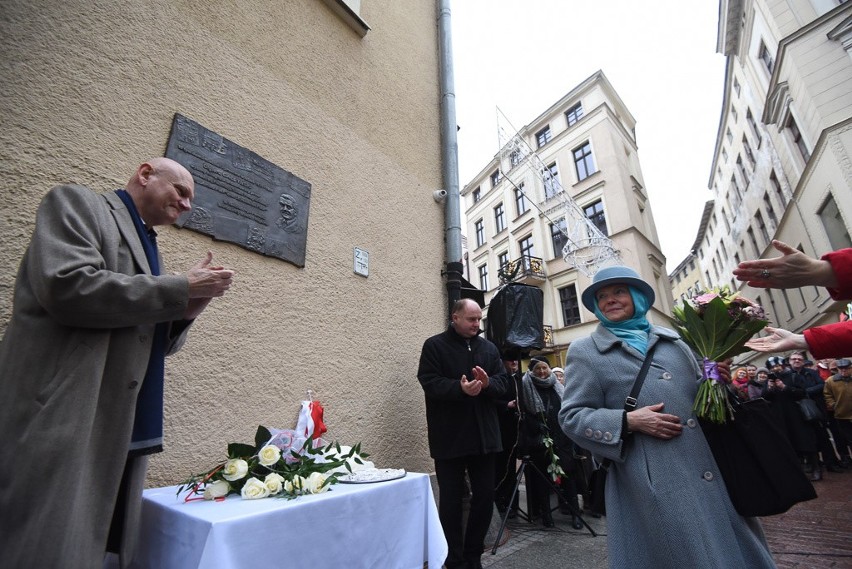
711,370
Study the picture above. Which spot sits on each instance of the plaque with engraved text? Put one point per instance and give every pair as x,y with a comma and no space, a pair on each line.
241,197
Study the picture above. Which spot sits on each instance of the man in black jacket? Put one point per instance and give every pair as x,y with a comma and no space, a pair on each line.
808,384
464,434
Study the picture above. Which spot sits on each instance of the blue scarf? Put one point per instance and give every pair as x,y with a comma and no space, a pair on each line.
635,330
147,435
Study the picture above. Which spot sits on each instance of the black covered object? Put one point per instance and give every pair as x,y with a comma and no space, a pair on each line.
516,318
762,473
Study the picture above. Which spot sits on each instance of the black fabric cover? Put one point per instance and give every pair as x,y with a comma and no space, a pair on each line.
516,318
762,473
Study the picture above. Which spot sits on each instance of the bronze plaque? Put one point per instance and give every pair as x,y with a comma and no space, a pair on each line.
241,197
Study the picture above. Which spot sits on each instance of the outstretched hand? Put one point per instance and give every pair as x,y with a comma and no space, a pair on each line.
652,421
778,340
791,270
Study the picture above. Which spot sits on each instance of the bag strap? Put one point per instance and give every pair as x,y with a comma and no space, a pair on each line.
631,401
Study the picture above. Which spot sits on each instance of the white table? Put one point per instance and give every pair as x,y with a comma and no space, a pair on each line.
391,524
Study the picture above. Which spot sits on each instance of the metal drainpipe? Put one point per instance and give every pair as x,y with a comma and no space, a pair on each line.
449,158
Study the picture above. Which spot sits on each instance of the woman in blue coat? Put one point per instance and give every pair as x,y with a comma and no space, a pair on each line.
666,502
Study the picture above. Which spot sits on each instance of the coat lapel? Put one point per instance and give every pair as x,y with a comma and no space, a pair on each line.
128,230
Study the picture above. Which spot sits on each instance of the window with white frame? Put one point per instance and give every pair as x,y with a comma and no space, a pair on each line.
570,305
584,161
595,213
496,176
834,224
558,236
477,195
552,186
483,276
748,152
770,211
766,57
521,200
574,114
499,218
526,247
479,230
503,259
543,136
796,135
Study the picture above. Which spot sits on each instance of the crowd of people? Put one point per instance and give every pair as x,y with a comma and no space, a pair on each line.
660,469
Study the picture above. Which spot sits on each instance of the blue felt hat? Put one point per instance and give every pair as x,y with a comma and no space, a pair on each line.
616,275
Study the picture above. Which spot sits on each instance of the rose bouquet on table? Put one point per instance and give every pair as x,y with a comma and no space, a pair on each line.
717,324
280,463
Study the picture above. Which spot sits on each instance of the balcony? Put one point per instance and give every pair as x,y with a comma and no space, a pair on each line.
526,270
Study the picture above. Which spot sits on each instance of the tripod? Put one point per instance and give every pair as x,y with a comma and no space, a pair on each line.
526,461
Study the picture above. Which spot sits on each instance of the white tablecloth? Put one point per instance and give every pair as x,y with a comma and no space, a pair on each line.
391,524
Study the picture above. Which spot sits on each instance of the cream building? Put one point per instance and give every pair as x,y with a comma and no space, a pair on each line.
687,279
782,168
331,94
586,142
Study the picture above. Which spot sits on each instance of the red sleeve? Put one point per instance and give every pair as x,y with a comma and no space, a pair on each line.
831,340
841,262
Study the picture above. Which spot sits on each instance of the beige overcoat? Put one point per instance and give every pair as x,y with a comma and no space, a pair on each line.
71,364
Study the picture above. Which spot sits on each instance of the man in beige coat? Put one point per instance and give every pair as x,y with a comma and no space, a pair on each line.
92,314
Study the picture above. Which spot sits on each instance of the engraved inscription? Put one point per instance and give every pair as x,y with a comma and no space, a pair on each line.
240,197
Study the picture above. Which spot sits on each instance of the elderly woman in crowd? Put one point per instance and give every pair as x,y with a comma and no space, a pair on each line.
758,385
542,398
666,502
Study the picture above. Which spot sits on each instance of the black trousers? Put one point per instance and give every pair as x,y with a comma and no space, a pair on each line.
465,544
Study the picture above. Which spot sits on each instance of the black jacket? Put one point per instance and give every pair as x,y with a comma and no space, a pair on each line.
460,425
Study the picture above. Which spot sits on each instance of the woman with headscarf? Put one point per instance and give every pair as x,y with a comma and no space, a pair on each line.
666,501
541,398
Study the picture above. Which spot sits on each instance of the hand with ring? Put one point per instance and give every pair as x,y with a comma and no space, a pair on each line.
791,270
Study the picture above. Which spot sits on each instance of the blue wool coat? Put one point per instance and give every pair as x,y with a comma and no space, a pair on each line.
666,502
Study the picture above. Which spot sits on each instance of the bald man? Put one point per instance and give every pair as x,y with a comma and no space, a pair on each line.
81,366
462,375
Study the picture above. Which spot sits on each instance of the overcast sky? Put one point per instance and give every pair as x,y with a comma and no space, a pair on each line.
522,56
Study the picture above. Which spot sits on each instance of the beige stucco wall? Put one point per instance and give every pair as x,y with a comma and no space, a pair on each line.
89,91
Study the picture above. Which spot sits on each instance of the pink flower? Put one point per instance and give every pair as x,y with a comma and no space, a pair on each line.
706,297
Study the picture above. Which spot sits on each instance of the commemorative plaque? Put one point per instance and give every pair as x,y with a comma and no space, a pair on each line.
241,197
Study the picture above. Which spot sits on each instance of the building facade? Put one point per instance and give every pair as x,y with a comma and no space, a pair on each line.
688,277
317,88
586,145
782,167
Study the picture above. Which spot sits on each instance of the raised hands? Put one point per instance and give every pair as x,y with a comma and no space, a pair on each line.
205,283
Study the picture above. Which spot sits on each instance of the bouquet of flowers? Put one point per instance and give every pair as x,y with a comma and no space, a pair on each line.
278,464
717,324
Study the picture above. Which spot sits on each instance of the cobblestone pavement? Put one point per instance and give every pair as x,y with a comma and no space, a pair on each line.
812,535
815,534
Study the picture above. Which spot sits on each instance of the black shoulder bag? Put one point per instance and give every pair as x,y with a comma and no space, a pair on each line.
597,480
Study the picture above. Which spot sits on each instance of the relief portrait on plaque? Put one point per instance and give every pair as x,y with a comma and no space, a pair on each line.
241,197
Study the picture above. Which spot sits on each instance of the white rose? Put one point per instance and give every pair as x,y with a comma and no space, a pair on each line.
235,469
254,489
216,489
269,455
274,483
315,483
299,484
